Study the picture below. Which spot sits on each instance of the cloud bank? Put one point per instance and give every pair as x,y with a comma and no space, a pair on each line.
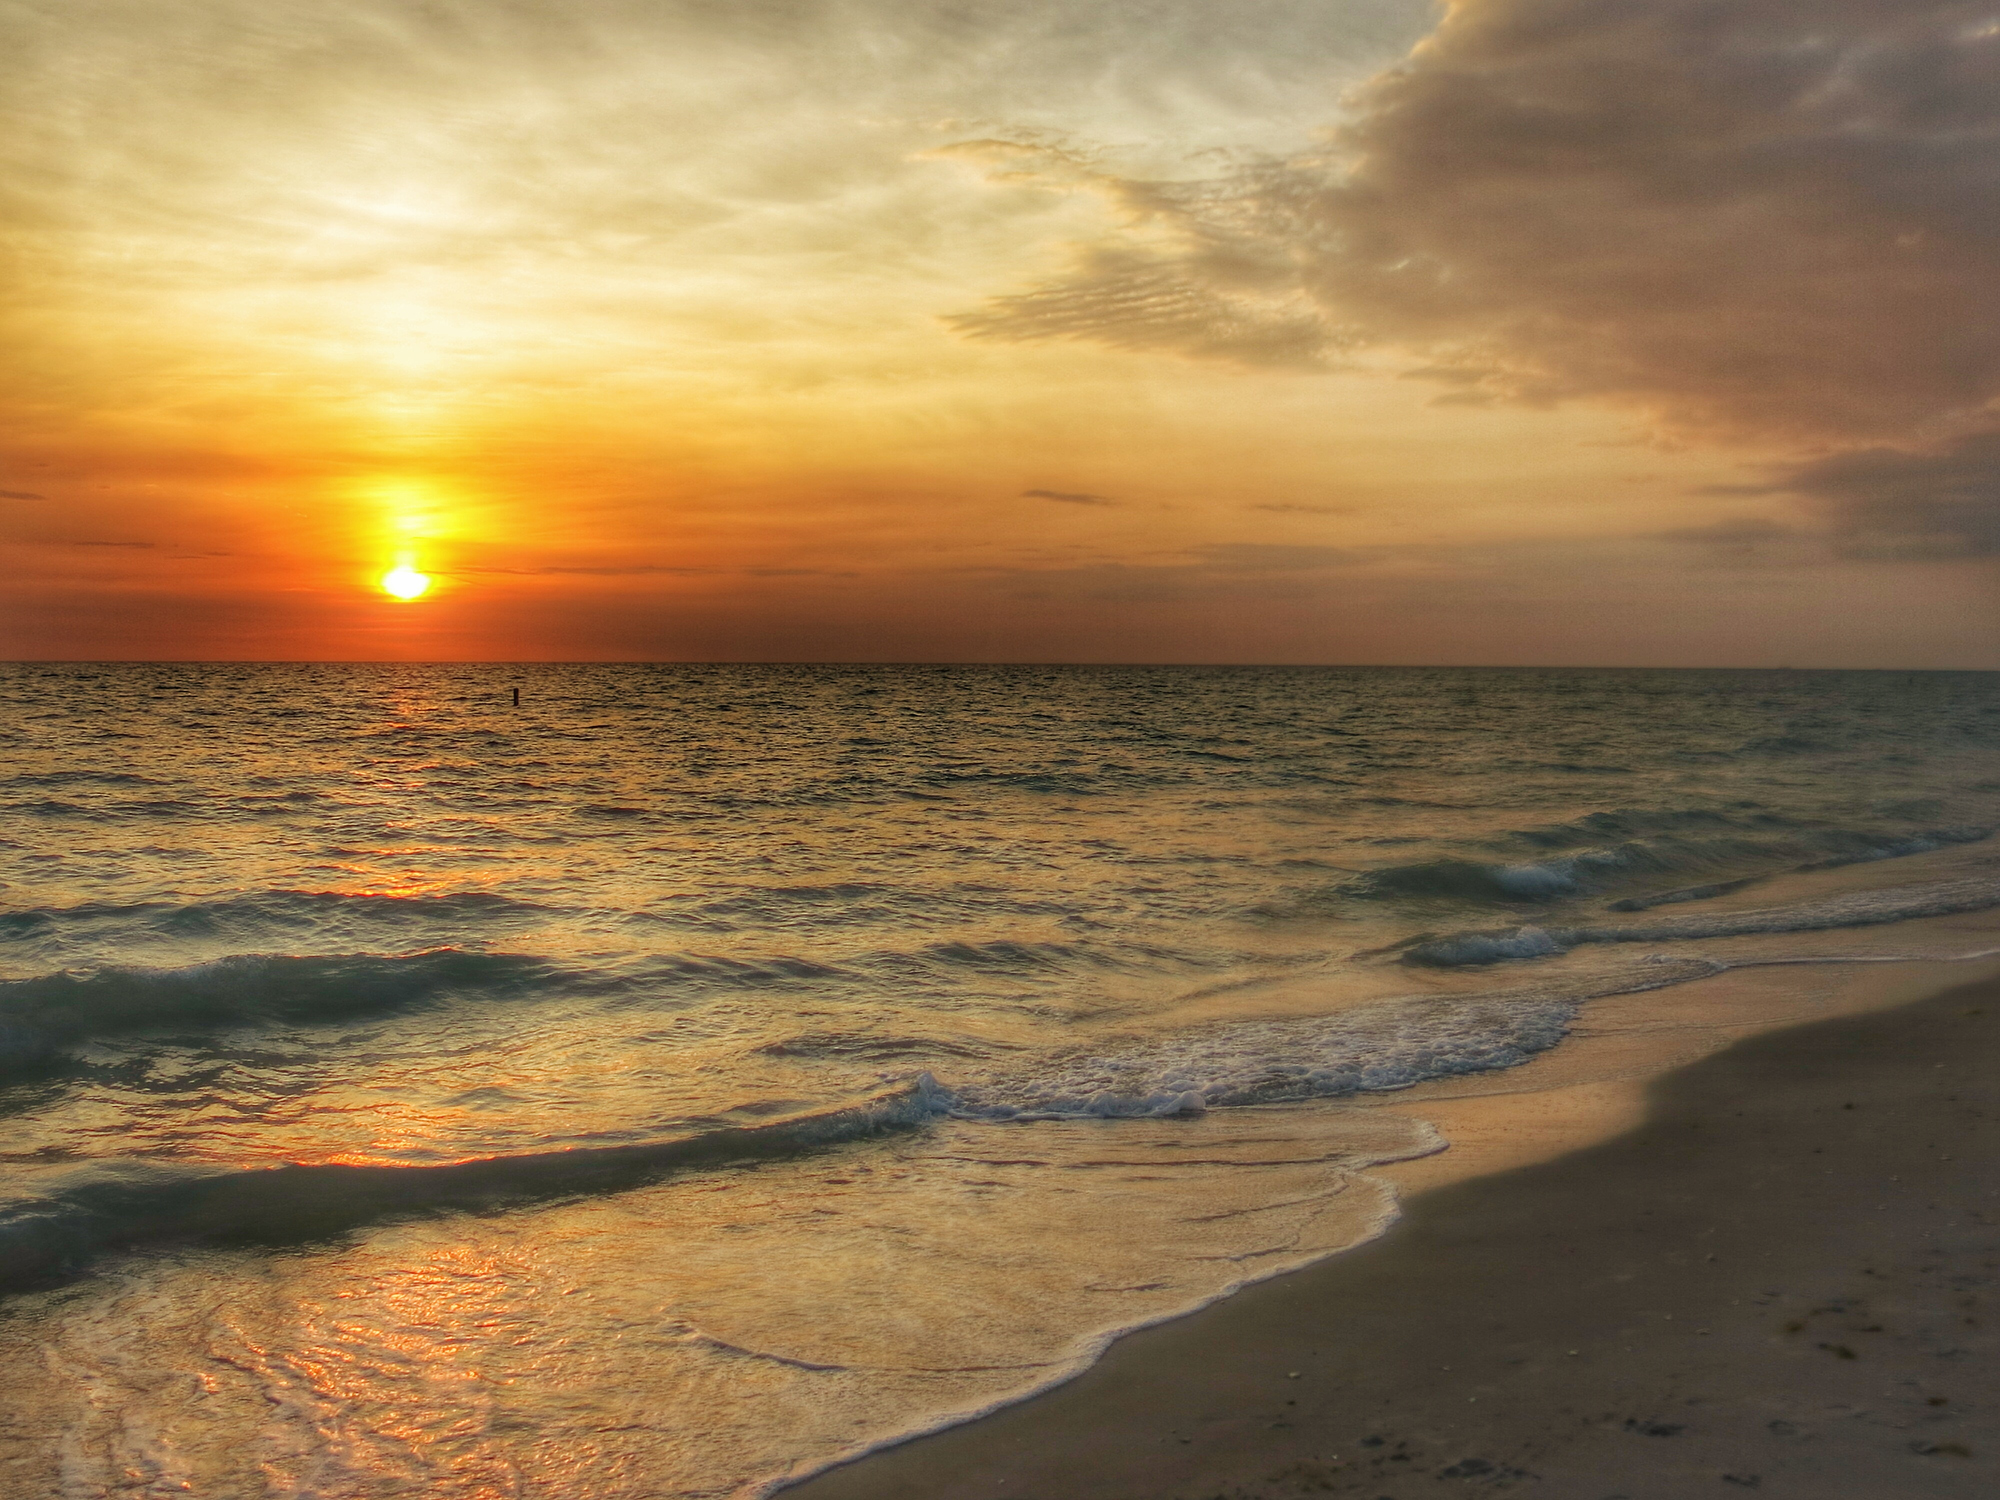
1893,503
1772,218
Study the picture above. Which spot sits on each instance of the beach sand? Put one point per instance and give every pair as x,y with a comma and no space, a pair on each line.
1781,1278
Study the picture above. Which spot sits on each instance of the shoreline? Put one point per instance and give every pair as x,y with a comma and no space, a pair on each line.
1792,1303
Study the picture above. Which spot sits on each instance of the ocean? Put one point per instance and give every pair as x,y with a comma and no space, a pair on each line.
693,1076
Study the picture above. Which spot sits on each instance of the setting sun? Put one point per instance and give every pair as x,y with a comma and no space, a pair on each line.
405,582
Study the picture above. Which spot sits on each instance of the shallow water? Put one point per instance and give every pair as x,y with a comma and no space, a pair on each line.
699,1073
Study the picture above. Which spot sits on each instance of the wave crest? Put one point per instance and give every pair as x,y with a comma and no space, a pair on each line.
1591,870
1855,909
41,1017
125,1205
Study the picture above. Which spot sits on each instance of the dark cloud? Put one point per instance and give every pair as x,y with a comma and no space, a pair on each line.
21,495
1286,509
107,544
1894,502
1771,217
1068,497
1767,219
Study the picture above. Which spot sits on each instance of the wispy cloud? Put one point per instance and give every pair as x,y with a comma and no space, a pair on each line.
1208,269
1068,497
1731,533
611,570
1265,557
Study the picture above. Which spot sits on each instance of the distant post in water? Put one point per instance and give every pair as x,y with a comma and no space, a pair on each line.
517,697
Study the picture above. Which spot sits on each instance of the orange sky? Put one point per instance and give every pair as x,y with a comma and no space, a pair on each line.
859,330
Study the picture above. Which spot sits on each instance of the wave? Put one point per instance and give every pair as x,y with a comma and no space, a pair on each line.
107,1207
1271,1062
851,904
1389,1044
999,956
682,968
128,1205
56,807
1685,893
79,778
276,911
1637,822
42,1017
1855,909
872,1046
288,914
1595,869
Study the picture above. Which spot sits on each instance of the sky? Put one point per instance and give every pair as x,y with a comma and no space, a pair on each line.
1512,332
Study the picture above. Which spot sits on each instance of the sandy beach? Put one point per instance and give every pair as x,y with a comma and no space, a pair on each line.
1780,1280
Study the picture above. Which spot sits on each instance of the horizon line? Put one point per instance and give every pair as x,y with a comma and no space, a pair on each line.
248,661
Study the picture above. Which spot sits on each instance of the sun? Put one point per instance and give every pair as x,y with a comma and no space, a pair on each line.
405,582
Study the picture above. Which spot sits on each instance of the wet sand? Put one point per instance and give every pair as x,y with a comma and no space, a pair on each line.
1781,1281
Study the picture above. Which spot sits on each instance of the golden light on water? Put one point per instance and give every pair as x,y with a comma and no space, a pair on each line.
405,582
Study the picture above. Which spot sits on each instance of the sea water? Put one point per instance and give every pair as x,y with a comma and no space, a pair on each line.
695,1075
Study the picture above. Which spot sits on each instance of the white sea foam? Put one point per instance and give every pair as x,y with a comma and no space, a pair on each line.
1384,1046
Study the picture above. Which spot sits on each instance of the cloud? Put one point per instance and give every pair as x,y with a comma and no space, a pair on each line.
1266,557
21,495
611,571
1141,300
1288,509
1737,533
1068,497
1898,503
1771,220
1751,542
106,544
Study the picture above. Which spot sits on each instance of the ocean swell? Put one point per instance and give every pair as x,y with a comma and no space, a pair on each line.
272,912
1591,870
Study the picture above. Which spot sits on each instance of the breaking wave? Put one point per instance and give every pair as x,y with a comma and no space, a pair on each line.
1855,909
112,1206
